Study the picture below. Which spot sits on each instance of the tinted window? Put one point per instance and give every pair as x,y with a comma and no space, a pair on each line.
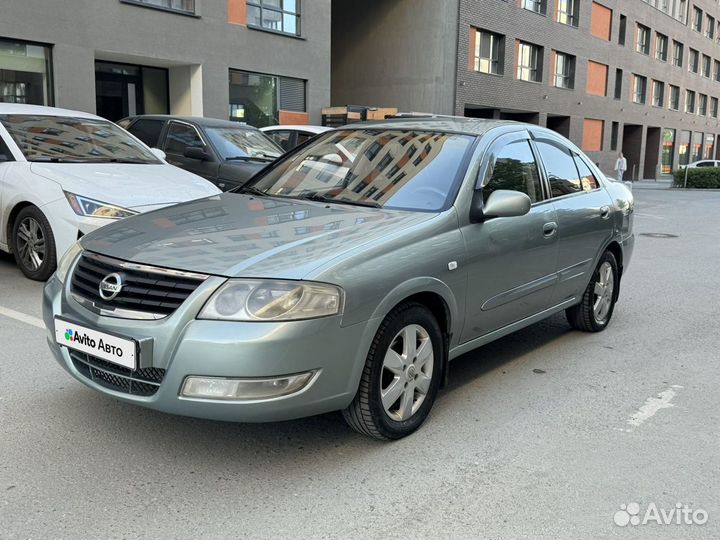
304,136
560,167
180,136
515,169
706,164
283,138
587,178
148,131
5,154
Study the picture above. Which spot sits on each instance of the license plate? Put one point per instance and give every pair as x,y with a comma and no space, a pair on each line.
115,349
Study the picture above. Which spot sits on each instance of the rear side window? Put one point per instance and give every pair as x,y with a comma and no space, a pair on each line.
587,178
561,170
148,131
515,169
283,138
5,154
180,136
304,136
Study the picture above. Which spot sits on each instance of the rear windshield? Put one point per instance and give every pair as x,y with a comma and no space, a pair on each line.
406,170
74,140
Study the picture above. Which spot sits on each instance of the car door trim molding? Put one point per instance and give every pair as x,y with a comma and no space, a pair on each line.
518,292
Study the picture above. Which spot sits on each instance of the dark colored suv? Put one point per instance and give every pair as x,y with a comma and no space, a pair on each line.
226,153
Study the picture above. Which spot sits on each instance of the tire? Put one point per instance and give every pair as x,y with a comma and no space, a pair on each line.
594,312
388,369
33,244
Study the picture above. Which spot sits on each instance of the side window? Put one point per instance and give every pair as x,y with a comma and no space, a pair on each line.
304,136
587,178
148,131
283,138
560,166
5,154
179,137
515,169
706,164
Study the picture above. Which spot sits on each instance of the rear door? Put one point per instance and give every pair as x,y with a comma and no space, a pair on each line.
511,261
178,137
584,214
148,130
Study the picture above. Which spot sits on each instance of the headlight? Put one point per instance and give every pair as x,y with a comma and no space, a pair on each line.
83,206
272,300
66,261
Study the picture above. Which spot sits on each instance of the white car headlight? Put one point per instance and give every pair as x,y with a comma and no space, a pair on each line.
83,206
272,300
67,260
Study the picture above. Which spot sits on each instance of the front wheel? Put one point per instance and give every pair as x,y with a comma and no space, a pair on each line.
401,376
595,310
33,244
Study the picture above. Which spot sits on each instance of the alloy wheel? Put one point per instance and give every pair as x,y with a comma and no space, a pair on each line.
603,293
407,372
30,244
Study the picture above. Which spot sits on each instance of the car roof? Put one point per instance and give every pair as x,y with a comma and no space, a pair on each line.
41,110
446,124
196,120
299,127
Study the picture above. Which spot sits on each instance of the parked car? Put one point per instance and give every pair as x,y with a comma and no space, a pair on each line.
291,136
345,275
226,153
703,163
65,173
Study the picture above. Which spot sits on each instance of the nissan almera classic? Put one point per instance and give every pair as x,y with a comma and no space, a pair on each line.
345,276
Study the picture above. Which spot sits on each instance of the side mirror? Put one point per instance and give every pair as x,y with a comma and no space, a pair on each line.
196,152
158,153
500,203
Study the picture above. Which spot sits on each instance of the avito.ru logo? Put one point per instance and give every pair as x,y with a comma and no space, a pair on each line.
680,514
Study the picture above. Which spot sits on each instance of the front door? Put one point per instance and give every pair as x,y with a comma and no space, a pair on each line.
511,261
118,91
180,136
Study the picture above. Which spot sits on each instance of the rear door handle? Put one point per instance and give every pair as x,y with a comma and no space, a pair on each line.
605,212
549,229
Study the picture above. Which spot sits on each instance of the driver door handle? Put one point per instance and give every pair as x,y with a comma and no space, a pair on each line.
549,229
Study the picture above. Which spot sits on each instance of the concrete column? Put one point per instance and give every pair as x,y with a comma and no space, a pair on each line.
186,90
216,91
74,78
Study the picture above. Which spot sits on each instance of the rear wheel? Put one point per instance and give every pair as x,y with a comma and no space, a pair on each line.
401,376
33,244
595,310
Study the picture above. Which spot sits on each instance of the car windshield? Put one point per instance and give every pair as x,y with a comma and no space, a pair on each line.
74,140
398,169
238,143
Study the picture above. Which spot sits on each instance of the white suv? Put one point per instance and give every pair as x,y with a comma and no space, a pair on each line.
65,173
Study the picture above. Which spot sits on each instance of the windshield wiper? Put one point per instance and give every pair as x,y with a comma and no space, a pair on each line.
249,158
52,159
322,198
251,190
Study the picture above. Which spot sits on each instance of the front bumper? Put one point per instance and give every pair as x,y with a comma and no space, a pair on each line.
185,346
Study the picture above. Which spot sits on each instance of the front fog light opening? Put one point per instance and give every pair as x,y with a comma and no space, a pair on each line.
222,388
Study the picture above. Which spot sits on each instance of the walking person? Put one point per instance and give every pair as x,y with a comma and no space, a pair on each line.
620,166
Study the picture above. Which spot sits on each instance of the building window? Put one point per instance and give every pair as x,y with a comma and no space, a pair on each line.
674,101
678,53
702,104
25,74
694,61
658,93
601,21
538,6
615,128
668,150
684,148
716,70
643,39
275,15
639,89
257,99
181,6
568,12
714,107
622,30
709,27
597,79
489,50
564,70
618,83
706,63
689,101
529,64
661,47
697,20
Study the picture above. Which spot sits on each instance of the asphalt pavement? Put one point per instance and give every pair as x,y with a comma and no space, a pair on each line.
548,433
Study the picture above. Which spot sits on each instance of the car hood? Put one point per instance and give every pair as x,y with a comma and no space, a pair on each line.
237,235
129,185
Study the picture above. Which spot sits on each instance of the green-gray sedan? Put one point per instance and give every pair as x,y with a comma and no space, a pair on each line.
345,276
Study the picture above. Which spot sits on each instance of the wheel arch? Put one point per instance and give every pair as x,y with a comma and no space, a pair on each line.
12,216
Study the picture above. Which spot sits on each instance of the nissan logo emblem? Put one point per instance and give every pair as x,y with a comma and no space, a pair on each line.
110,286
